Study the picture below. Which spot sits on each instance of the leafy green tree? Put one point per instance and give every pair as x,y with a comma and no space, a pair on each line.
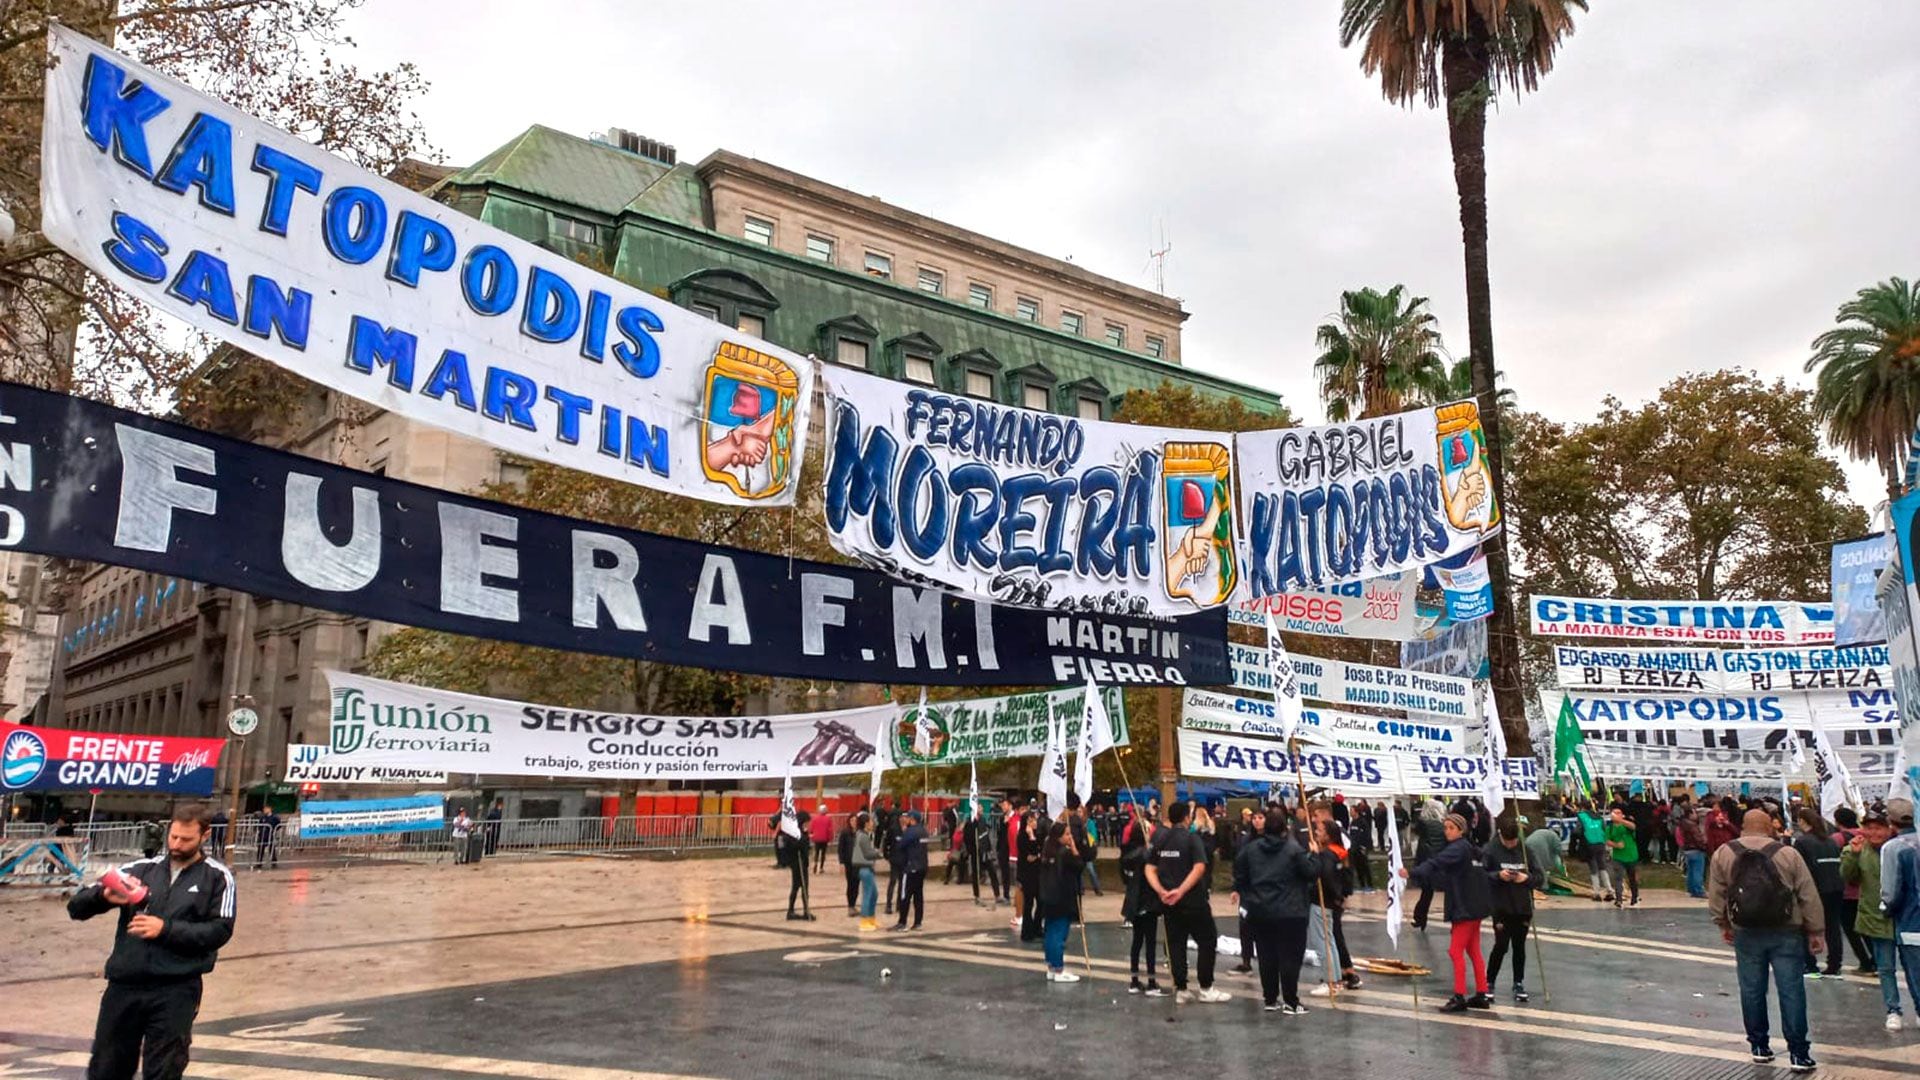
1378,355
1867,391
285,61
1716,489
1461,54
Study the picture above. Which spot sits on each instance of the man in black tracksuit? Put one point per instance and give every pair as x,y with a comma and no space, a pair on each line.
1513,874
912,851
161,947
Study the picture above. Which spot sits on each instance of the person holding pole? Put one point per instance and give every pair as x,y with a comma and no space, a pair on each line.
1335,885
1059,897
1460,871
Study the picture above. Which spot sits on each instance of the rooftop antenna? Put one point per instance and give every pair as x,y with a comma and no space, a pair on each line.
1157,260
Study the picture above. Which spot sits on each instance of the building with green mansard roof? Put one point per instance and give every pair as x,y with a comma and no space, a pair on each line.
847,277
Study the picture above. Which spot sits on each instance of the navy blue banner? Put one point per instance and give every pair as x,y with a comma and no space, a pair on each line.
82,480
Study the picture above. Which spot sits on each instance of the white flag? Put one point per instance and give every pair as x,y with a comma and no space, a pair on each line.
1836,783
1053,768
1094,716
882,753
1286,687
1493,756
922,728
1396,885
973,789
1898,788
789,819
1093,725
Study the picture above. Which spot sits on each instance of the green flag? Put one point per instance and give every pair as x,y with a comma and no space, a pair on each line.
1567,741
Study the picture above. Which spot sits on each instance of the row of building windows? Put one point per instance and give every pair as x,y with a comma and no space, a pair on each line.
156,712
919,368
933,280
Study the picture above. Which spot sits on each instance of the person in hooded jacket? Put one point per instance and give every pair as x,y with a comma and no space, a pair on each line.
1272,879
1512,874
1460,871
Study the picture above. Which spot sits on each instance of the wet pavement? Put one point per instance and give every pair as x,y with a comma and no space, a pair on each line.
592,970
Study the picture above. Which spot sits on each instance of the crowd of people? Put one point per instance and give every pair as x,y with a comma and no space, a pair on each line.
1791,891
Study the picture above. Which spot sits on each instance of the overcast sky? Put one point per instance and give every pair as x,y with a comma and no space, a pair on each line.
1696,185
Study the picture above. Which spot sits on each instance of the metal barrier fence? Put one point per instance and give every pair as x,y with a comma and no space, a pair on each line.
110,844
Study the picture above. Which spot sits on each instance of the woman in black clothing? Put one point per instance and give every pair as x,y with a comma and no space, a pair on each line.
1272,878
1030,849
1137,907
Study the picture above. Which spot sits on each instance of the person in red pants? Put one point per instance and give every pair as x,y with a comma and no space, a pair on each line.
1460,870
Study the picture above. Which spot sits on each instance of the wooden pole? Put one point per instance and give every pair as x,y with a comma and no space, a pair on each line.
1332,958
1169,748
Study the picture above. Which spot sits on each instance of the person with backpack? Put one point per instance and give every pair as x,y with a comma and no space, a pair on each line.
1460,871
1593,832
1822,857
1761,895
1860,869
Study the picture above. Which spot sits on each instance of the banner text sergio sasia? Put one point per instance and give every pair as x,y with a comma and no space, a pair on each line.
271,244
86,481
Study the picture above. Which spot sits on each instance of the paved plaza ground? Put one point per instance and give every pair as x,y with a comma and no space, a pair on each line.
595,969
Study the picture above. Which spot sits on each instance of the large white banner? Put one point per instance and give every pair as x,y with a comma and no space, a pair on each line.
376,722
1747,622
1354,772
1380,608
309,763
1863,667
1015,725
1631,760
1205,710
1834,709
1342,682
1028,507
270,244
1347,502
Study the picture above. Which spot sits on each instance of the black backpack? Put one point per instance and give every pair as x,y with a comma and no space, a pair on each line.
1756,897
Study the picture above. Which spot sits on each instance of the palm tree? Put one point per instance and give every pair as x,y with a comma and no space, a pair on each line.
1460,53
1455,383
1380,351
1868,389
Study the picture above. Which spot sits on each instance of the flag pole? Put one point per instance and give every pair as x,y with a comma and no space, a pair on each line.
1329,961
